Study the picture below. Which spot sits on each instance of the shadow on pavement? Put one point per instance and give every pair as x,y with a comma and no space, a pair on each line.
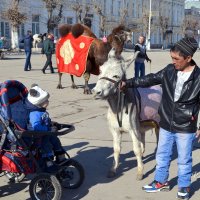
196,184
6,58
96,162
11,189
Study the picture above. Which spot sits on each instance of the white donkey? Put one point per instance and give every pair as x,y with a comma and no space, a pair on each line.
124,109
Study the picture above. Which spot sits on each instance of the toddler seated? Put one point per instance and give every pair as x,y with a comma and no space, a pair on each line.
39,120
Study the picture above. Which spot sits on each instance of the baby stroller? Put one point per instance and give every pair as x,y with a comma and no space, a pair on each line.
17,159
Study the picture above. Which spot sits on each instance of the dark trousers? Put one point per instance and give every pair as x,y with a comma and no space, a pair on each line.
48,63
139,69
28,60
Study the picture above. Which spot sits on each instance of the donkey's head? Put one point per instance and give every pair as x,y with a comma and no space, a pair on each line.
112,72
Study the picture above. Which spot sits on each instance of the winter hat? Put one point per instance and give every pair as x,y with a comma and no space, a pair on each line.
37,96
187,45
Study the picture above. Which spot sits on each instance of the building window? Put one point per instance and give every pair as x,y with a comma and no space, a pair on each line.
21,31
69,20
104,4
35,24
119,7
5,29
112,7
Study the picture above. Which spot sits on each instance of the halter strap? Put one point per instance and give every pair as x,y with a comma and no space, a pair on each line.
109,79
122,100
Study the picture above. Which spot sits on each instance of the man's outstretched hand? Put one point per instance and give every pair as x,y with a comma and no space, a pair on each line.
149,60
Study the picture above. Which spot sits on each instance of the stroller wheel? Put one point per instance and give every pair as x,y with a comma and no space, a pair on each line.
45,187
71,174
14,177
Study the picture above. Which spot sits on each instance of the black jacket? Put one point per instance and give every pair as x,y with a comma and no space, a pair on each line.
48,47
180,116
142,54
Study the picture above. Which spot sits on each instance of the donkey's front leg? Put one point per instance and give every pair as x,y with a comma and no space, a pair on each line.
117,149
136,138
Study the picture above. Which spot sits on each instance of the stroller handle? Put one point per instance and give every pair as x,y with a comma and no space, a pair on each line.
62,130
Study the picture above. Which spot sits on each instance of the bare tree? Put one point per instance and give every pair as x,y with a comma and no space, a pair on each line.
16,18
99,12
53,6
123,15
77,7
163,23
189,27
145,21
82,14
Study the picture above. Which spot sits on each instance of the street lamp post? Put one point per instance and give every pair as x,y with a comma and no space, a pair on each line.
149,28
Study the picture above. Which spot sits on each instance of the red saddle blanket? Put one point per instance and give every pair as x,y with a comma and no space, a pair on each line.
71,54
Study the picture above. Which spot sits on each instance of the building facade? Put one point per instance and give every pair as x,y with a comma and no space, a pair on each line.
104,16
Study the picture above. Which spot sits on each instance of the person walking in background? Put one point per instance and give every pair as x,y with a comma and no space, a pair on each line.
48,49
179,109
28,39
142,56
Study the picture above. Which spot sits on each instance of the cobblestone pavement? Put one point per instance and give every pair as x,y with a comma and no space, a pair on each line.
91,142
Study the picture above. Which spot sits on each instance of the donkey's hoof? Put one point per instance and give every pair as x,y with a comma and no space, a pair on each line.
139,177
59,86
111,174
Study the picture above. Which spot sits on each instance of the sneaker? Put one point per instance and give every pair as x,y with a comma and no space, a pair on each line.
183,193
156,186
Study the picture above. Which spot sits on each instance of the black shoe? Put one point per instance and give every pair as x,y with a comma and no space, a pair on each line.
52,72
26,70
43,71
51,167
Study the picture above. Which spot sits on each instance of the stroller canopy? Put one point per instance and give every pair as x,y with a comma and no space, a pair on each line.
12,108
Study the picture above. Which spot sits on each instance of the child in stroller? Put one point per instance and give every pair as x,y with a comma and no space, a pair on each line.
39,120
17,159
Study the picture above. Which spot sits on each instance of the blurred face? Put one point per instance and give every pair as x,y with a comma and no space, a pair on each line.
45,104
141,40
180,62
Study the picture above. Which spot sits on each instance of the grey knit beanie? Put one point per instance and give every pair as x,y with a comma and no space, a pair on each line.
187,45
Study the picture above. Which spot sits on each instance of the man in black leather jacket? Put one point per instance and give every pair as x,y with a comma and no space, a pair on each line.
179,108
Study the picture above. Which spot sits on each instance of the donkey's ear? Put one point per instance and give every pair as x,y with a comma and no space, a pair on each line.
131,59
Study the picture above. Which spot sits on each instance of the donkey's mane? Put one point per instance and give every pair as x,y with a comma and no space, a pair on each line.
120,28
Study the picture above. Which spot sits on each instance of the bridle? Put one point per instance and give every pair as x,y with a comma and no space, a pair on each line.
121,100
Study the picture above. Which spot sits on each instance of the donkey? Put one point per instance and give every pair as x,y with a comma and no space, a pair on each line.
124,110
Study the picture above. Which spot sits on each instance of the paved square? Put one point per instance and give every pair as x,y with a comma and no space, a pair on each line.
91,142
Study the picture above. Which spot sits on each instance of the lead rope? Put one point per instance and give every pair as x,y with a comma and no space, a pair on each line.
121,102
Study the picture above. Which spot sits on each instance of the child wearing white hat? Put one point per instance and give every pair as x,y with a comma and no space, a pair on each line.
39,120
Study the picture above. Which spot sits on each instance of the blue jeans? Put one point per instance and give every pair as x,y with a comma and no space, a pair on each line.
184,143
28,60
139,69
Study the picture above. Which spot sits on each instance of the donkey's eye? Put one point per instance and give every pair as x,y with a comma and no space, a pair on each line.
117,77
